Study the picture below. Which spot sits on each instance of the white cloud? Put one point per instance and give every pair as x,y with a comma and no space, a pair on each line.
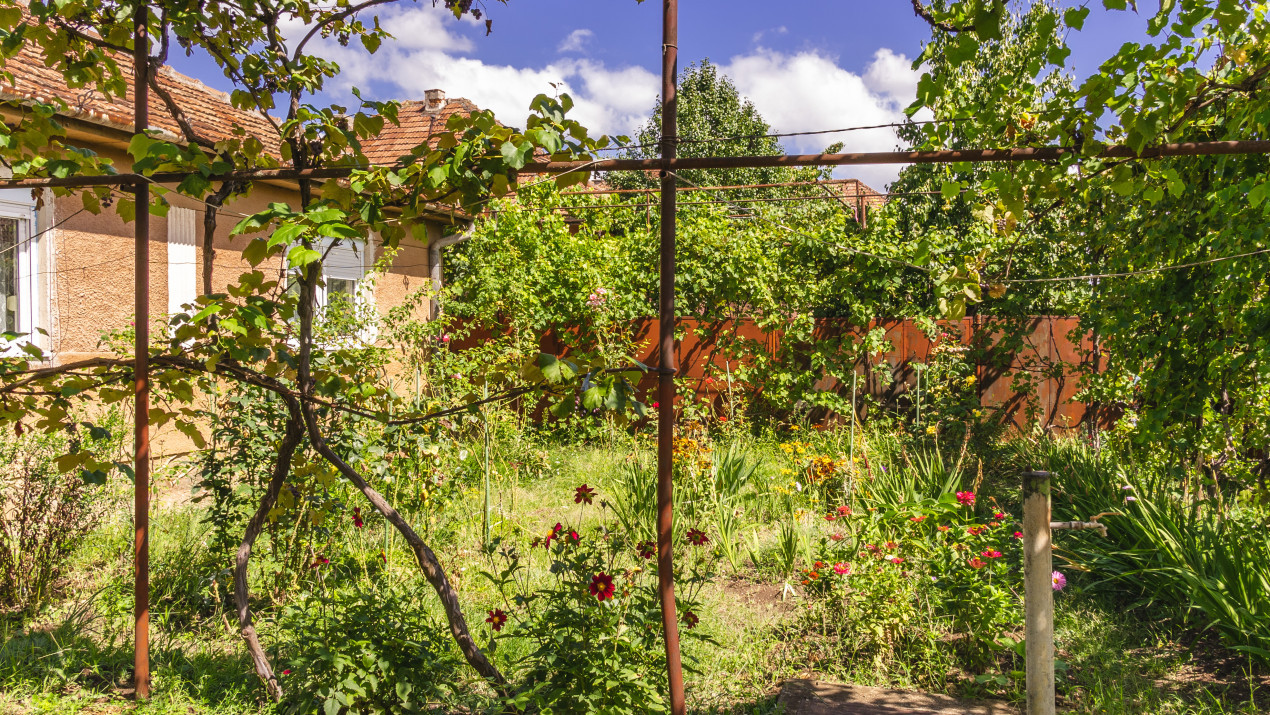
576,41
808,91
795,92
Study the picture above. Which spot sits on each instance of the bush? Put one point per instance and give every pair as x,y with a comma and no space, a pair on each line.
365,651
593,630
44,513
898,584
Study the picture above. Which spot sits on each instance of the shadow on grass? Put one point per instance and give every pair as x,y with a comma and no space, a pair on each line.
1118,662
75,661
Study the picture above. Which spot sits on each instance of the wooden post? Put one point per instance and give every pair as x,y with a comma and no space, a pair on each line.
1038,598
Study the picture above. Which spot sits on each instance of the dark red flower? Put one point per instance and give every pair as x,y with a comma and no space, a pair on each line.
690,620
575,536
646,549
357,517
583,494
697,537
320,561
287,671
496,619
602,586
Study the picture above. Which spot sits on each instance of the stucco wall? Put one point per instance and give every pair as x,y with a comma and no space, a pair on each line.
91,286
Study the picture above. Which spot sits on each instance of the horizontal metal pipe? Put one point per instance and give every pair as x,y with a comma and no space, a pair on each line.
950,156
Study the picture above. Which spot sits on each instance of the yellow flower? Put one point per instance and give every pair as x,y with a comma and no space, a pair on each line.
932,430
793,428
977,413
970,379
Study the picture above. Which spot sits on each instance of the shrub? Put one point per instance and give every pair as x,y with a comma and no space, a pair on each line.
365,651
44,513
892,585
593,630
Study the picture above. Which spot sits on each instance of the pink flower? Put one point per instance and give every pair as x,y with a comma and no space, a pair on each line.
966,498
998,515
842,569
992,554
837,537
897,560
1058,580
1018,534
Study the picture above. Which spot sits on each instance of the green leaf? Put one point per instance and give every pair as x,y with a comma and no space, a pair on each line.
1075,17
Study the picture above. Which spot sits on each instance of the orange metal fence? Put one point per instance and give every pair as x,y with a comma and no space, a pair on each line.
1027,372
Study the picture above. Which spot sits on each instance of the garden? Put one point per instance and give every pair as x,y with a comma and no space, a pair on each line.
453,518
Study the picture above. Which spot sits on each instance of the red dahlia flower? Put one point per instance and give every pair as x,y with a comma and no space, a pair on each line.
602,586
646,549
357,517
497,619
697,537
583,494
690,619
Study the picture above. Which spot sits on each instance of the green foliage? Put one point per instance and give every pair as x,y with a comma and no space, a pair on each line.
371,650
1168,550
46,511
894,584
592,632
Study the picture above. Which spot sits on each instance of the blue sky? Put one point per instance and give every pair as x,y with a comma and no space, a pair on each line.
806,66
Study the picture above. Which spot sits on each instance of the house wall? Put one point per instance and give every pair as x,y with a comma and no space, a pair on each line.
91,268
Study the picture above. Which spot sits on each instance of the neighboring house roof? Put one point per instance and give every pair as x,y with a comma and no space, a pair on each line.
415,121
209,110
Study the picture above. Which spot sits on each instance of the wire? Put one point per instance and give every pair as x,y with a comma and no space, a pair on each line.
775,135
1137,273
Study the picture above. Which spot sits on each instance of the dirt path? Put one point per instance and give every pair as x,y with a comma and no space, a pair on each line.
814,697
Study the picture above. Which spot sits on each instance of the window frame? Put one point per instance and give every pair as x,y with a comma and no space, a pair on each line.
27,244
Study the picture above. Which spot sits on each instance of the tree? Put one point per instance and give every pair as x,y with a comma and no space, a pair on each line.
713,120
1178,245
258,334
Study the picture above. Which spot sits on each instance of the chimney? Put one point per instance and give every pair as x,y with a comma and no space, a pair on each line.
434,100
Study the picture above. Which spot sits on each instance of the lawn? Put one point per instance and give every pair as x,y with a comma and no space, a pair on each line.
765,525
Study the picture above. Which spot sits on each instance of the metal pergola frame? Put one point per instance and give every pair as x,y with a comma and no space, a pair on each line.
667,366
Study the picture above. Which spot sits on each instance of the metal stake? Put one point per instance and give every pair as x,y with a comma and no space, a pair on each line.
141,385
666,378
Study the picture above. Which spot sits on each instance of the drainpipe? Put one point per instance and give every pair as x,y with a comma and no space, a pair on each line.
434,265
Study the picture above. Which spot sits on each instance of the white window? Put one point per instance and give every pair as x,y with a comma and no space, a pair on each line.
344,273
345,297
19,242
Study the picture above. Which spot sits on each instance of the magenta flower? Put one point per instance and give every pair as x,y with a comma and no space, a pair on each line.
842,569
1058,580
966,498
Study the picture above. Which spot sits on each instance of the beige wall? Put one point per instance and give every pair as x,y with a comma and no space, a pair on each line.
90,266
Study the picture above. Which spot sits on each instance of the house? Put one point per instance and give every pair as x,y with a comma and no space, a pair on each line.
69,272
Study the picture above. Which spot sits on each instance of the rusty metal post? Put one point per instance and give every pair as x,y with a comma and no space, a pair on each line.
141,408
1038,594
667,365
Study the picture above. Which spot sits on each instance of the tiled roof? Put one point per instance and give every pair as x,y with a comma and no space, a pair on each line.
208,110
415,123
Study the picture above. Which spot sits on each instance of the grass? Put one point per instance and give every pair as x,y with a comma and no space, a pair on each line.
74,657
